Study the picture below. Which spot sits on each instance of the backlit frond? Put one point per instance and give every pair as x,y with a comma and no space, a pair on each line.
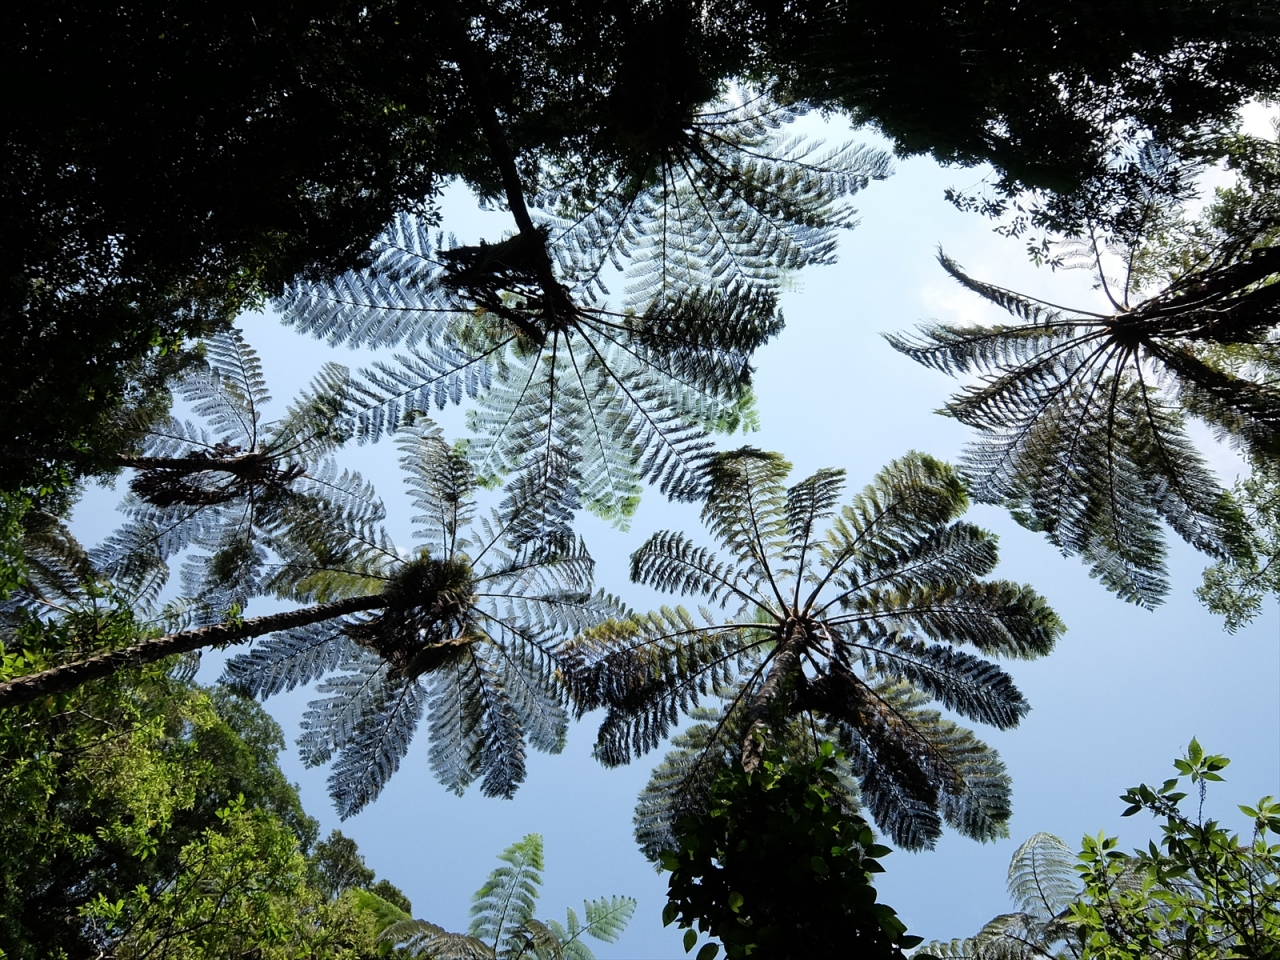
1042,876
727,197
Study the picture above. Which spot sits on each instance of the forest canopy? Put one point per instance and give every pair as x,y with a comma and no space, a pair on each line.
178,167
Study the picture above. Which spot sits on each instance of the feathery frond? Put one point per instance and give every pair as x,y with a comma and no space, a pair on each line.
1044,882
502,923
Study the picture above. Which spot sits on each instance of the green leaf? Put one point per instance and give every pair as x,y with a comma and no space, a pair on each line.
708,951
690,938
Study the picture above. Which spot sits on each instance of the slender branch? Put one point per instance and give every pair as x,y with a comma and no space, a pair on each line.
68,676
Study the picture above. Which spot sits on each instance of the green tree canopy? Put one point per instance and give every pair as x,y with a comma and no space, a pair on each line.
135,804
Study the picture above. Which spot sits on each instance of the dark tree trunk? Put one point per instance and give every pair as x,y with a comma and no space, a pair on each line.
785,666
68,676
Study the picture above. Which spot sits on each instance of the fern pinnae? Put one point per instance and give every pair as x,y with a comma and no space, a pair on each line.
290,659
1020,305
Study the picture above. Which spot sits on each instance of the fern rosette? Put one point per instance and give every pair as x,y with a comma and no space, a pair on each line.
847,635
464,632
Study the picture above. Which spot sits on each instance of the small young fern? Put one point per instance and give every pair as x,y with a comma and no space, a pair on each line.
502,923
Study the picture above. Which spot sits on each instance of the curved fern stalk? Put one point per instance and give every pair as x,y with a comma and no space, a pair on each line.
502,922
62,576
1082,417
226,487
723,195
68,676
1044,882
852,622
466,635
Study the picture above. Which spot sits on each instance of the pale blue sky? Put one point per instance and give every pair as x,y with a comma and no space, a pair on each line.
1122,696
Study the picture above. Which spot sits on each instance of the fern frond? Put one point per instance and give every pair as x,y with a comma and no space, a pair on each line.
453,711
133,558
670,562
808,502
908,500
1023,307
997,617
969,685
442,484
916,768
608,917
368,720
745,507
942,557
728,198
293,658
230,392
1042,877
381,305
423,939
317,421
509,896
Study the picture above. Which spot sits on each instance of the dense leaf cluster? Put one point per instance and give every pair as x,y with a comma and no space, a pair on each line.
143,808
774,869
1199,893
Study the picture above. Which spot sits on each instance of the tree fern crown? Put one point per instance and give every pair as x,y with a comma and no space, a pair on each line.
845,620
1081,416
466,633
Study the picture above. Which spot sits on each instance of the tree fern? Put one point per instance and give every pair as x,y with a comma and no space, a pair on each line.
616,397
1082,416
849,634
582,400
464,638
225,488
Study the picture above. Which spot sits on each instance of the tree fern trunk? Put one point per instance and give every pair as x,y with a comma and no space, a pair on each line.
68,676
786,662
